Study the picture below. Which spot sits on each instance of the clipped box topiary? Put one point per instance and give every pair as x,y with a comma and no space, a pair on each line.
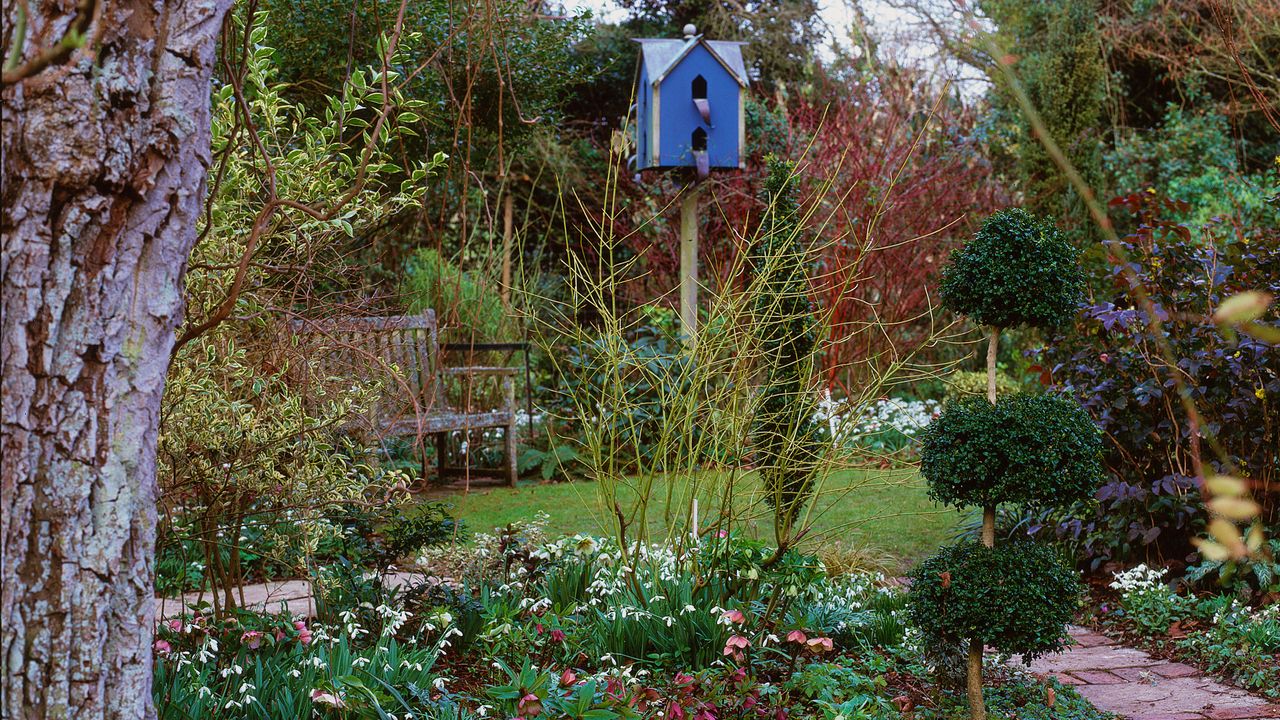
1033,450
1015,271
1016,597
1037,450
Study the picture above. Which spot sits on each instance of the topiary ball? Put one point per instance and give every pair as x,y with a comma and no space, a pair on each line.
1036,450
1016,597
1016,271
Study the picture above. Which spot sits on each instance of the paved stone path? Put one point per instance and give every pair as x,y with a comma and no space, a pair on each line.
1135,685
292,595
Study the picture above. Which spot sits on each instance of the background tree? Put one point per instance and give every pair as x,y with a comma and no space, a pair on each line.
106,149
1056,50
787,439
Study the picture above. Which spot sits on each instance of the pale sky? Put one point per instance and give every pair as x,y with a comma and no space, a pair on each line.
886,24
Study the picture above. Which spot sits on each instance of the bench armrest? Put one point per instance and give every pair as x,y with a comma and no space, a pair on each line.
480,370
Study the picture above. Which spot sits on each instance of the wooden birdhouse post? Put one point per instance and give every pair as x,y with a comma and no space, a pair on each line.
690,114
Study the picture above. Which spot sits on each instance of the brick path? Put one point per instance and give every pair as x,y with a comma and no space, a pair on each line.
1135,685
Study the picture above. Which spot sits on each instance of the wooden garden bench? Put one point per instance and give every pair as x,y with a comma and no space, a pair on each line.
418,395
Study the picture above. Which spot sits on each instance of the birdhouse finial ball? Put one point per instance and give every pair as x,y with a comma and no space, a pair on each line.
690,30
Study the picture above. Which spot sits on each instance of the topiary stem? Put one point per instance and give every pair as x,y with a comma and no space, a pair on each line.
977,708
992,346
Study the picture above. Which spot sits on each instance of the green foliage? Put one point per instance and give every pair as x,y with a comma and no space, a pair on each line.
1037,450
1247,578
964,384
378,535
844,690
468,307
250,440
1237,641
267,470
1191,157
314,152
516,66
1016,597
262,667
1023,699
767,126
626,388
1017,270
1218,632
787,439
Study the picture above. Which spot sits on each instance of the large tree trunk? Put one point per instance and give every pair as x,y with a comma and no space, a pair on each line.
105,150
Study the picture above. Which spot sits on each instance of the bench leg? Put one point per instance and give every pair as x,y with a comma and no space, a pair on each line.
442,445
509,440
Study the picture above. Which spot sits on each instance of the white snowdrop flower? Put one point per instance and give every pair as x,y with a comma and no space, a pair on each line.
483,711
438,683
204,691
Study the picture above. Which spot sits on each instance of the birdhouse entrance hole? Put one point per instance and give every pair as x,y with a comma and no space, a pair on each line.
699,88
699,140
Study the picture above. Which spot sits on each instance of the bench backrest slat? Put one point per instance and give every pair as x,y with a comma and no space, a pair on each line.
396,350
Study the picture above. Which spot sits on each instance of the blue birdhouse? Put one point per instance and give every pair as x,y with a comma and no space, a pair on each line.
689,103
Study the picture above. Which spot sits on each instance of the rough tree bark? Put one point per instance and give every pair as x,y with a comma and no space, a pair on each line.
105,150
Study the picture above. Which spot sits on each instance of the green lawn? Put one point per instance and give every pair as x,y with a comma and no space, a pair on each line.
886,510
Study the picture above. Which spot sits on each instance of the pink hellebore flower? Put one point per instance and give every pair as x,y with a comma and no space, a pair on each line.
557,636
821,644
253,639
304,635
797,636
736,643
530,706
734,616
326,698
568,677
175,625
163,647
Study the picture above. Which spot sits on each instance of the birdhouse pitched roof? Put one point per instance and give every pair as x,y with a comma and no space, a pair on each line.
662,54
